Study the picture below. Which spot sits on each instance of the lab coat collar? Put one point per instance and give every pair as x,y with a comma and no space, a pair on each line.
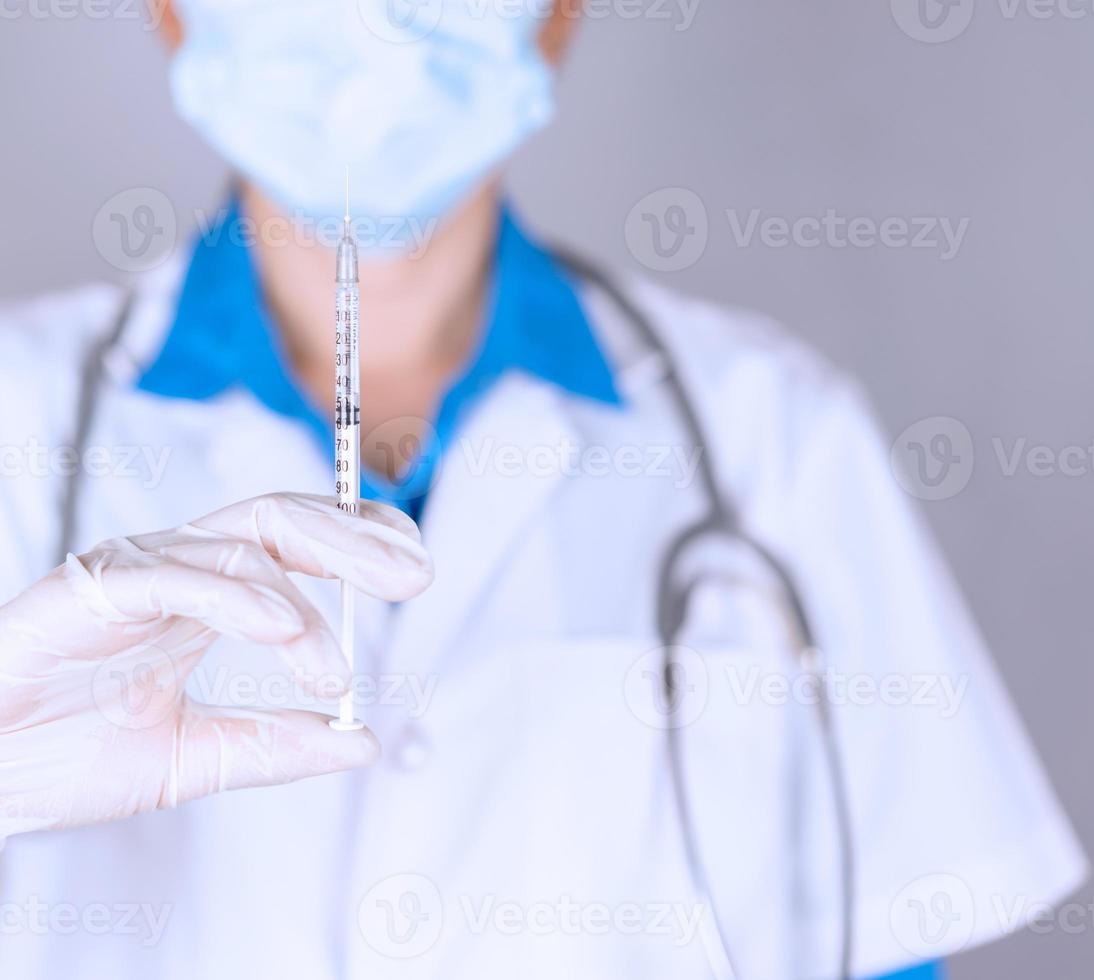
222,335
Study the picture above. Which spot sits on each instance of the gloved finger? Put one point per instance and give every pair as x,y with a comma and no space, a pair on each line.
315,653
123,584
378,552
373,510
218,749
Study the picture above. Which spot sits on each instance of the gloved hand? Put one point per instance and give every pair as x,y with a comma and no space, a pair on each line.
94,721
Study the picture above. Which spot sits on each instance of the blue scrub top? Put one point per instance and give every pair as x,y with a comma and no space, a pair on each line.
927,971
224,337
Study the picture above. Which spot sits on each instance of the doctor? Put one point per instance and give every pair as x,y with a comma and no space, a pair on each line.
604,752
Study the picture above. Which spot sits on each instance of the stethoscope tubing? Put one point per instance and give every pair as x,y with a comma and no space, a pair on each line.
721,520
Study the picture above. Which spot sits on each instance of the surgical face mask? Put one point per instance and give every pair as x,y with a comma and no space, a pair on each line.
419,98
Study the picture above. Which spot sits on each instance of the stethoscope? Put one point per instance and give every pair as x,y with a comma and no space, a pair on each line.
675,590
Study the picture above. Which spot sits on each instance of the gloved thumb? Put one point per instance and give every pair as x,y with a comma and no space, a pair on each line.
221,748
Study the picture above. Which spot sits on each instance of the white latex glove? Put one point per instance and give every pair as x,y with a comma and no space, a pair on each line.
94,721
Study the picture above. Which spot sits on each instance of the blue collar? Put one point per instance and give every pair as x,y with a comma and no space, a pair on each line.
224,337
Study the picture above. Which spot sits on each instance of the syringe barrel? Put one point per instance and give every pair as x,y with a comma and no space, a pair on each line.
347,396
347,427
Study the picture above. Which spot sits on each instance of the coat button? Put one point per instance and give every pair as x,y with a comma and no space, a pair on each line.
411,750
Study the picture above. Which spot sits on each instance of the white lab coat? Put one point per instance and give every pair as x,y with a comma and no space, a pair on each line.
521,823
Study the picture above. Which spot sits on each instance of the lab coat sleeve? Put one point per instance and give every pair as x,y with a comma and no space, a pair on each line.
958,836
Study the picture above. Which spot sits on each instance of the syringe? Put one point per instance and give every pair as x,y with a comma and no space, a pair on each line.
347,426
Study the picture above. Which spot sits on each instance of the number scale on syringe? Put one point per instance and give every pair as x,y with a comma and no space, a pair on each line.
347,397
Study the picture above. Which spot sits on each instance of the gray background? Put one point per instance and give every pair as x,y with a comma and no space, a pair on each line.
793,108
